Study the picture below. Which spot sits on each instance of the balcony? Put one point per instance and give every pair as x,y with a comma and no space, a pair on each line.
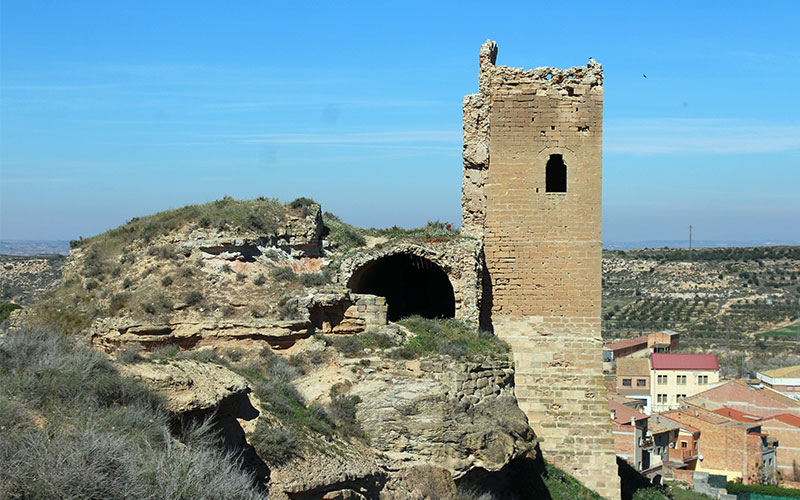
646,443
682,454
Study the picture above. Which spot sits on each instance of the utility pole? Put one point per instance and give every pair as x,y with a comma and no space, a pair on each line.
690,243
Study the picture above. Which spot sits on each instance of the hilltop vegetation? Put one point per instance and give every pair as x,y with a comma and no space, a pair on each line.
741,302
145,269
72,427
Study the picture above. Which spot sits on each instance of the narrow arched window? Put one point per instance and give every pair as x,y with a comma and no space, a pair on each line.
556,175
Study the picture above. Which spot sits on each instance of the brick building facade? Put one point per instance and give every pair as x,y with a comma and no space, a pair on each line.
728,447
675,377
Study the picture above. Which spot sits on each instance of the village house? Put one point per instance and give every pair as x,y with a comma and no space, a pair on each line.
760,402
777,423
665,341
738,450
674,377
629,428
785,380
633,381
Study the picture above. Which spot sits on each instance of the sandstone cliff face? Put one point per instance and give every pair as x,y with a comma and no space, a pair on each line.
459,416
428,422
194,392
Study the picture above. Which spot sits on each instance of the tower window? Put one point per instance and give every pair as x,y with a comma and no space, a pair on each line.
556,175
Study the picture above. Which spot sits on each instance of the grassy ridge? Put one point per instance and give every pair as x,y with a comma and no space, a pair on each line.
260,215
71,427
347,236
450,337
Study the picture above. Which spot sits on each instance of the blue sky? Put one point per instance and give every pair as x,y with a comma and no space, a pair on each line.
112,110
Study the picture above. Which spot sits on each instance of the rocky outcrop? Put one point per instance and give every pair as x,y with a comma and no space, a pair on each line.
195,391
111,334
191,387
459,416
334,312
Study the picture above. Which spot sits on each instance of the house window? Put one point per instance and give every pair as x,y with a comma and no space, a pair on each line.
661,398
681,379
684,444
626,382
702,379
662,379
641,382
679,397
556,175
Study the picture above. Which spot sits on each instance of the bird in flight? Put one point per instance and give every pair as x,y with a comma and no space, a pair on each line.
644,75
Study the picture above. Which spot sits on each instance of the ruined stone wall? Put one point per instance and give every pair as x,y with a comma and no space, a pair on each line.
460,259
543,249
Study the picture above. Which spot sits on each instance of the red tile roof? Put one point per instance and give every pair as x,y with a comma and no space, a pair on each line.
670,361
788,418
622,414
736,415
624,343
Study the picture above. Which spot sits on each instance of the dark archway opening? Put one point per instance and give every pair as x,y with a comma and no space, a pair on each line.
410,284
556,175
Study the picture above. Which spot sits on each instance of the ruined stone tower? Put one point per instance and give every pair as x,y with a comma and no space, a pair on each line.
531,192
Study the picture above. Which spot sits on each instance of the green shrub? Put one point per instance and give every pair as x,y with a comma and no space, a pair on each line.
5,310
281,273
207,356
168,351
275,445
354,345
162,252
260,280
117,302
130,356
193,298
342,410
166,280
451,337
305,205
94,262
650,494
764,489
315,279
343,235
288,308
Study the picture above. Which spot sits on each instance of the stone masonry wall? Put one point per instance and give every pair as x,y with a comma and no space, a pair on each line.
543,250
460,259
371,309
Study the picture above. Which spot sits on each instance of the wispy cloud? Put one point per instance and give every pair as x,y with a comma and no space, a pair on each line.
315,103
359,138
35,180
698,136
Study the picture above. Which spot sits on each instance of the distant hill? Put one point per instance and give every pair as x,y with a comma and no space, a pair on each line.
24,248
632,245
45,247
25,280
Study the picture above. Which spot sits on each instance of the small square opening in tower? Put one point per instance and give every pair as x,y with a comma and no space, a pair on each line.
556,175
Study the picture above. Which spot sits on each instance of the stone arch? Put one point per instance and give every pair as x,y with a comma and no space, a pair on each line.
450,269
412,285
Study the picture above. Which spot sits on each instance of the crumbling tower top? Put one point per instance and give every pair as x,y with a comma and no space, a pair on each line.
569,86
